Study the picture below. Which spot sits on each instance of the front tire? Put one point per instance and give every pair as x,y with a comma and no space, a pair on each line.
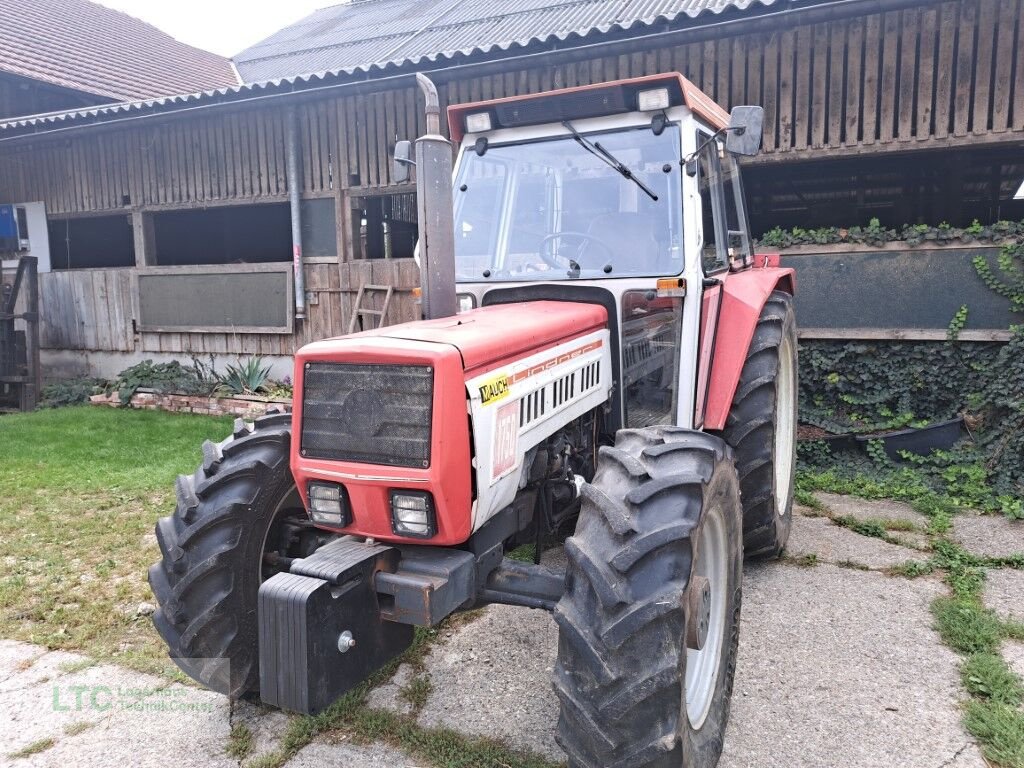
660,522
239,505
761,428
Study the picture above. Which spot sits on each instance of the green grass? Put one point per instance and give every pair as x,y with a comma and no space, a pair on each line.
807,499
417,691
80,726
1000,729
240,741
967,627
523,553
41,745
78,500
988,676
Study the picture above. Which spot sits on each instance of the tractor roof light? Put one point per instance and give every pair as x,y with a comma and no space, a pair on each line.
654,99
478,122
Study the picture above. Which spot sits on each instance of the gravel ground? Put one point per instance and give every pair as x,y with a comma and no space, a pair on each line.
837,667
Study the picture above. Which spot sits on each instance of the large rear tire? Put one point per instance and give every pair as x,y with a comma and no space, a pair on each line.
240,504
656,560
761,428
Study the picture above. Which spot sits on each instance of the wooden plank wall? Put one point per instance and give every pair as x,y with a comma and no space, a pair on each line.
939,74
91,309
237,157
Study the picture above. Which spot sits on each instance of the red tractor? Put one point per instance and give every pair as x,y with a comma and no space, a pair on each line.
600,346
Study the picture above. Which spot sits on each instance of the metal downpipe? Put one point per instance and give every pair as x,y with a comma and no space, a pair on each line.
294,191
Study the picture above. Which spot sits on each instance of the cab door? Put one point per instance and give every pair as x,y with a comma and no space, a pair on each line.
725,246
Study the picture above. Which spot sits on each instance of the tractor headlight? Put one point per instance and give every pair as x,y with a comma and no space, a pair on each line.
412,514
328,504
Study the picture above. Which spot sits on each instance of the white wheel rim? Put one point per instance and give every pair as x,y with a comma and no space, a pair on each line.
785,425
702,666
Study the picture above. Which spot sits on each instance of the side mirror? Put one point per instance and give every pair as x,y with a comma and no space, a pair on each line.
743,135
403,162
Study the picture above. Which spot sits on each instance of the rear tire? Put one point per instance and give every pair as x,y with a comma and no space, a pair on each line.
662,515
761,428
235,507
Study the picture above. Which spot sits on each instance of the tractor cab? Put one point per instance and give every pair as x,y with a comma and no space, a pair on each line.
629,189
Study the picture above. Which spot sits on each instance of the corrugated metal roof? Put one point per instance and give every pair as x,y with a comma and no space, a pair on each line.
410,30
365,33
86,47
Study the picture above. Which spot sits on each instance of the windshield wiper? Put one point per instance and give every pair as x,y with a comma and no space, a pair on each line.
607,157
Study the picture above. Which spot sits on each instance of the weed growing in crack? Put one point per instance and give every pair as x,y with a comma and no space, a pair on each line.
911,569
416,692
1000,729
240,741
40,745
988,676
803,561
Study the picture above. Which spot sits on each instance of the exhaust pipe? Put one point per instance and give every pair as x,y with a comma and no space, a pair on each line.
434,211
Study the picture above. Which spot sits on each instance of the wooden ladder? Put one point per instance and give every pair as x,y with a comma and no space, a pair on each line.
359,312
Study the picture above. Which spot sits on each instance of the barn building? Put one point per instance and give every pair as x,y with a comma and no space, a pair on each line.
168,220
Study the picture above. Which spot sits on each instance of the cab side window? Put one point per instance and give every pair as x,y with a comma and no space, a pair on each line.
714,230
736,223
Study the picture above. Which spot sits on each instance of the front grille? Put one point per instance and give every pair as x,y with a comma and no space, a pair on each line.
376,414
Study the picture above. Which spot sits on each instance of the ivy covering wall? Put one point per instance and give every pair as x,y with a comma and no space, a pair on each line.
871,387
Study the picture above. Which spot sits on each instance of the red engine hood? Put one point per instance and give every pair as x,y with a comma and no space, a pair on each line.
492,336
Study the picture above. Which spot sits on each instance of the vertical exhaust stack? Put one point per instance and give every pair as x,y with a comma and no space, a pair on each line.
434,211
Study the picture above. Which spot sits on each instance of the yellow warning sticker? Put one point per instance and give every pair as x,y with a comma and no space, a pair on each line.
494,389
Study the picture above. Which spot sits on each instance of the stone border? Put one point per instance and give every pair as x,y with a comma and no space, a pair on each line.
234,405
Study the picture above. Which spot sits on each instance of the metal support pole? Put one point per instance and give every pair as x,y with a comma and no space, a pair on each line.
434,211
294,190
31,390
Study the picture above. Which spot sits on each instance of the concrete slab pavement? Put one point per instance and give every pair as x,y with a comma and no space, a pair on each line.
1004,593
989,535
832,543
837,667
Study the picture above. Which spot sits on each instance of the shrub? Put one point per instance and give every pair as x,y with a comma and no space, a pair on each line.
70,392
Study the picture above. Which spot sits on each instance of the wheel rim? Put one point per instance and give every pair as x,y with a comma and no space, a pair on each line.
785,425
702,666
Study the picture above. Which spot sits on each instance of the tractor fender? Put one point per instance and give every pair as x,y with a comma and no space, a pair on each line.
743,297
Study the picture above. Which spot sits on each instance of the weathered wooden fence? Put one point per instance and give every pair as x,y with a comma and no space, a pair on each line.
96,310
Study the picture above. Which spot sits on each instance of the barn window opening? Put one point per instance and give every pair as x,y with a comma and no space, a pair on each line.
91,242
237,234
386,225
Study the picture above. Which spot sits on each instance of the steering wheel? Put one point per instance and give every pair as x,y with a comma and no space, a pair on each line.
584,238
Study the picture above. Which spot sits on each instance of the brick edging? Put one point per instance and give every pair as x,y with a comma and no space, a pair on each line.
232,405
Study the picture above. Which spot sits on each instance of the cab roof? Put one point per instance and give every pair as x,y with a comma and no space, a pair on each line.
582,101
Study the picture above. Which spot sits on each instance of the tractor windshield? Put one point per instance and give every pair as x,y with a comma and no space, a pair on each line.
555,209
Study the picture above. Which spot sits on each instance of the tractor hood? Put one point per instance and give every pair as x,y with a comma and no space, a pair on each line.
494,335
385,410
